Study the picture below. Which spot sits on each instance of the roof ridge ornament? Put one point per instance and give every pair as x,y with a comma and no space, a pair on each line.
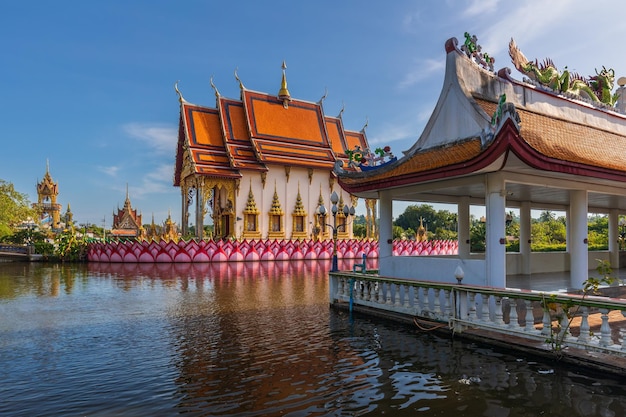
283,93
504,110
474,52
367,122
241,86
321,100
217,93
343,107
181,99
596,89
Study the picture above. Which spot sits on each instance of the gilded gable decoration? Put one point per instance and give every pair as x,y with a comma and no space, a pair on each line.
299,219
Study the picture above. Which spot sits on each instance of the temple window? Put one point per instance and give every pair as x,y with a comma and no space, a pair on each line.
276,214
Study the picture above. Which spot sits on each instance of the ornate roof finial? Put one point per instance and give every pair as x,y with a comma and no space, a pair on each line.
127,201
241,86
180,96
367,121
343,107
321,100
283,93
217,93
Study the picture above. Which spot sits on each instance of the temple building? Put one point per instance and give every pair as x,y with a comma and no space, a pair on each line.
261,166
47,207
126,223
550,141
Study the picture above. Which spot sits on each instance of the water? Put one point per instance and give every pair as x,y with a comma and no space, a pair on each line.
250,340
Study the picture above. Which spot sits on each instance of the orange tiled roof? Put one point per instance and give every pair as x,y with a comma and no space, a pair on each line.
568,141
237,137
259,130
287,136
206,142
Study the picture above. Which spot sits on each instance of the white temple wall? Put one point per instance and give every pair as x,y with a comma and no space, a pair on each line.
287,191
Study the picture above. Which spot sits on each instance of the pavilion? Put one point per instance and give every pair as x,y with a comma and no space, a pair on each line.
502,143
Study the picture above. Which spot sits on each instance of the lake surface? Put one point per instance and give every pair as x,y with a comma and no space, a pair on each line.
250,340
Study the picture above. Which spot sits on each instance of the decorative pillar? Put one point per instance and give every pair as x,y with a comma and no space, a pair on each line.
614,238
524,236
577,244
463,226
495,254
184,199
385,241
199,212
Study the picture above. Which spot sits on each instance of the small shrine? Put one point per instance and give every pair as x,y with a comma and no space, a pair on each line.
47,207
126,223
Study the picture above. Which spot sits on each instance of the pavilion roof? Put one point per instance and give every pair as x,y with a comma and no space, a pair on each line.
546,131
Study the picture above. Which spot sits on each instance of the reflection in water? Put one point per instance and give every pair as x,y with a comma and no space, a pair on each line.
251,339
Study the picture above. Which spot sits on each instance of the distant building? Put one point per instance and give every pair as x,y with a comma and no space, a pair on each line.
262,166
126,223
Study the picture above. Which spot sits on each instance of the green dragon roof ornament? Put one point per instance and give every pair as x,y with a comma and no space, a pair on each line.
597,88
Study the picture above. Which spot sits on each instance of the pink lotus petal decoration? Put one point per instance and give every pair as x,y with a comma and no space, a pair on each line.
256,250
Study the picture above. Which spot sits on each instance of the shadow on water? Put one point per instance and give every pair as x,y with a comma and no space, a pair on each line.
250,339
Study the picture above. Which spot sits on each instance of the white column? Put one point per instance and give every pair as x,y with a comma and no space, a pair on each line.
463,227
613,238
524,236
578,250
495,256
385,239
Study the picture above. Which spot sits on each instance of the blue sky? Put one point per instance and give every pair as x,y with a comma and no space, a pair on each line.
88,86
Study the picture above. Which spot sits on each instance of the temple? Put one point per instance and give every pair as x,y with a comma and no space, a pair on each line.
262,165
126,223
551,141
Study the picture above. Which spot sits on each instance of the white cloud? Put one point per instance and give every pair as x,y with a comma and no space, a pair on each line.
110,170
481,7
160,138
157,181
422,70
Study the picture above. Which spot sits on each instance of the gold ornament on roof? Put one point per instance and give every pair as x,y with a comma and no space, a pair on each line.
283,93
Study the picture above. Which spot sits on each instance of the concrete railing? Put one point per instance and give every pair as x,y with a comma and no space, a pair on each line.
594,323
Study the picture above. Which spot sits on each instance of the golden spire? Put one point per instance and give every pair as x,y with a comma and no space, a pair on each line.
276,209
299,209
283,93
251,203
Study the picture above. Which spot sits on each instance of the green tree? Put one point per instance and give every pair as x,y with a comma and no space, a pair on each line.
14,208
440,224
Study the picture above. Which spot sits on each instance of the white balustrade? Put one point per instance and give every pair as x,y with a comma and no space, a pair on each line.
467,307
